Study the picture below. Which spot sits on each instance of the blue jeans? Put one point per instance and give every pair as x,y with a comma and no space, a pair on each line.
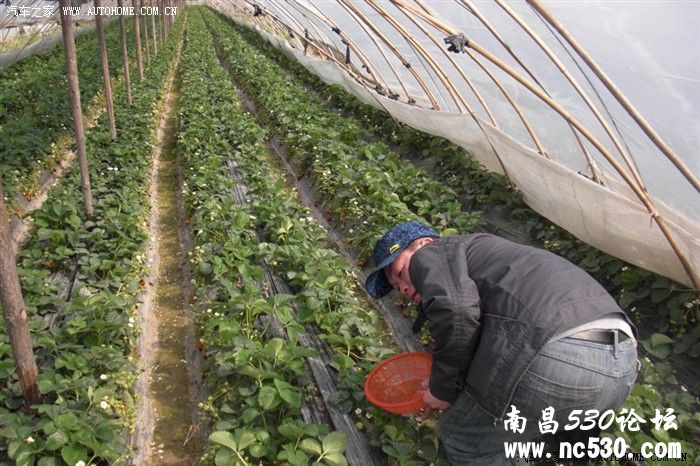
568,374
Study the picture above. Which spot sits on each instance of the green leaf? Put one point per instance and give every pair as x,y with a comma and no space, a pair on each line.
244,438
26,458
274,347
335,442
250,414
223,438
66,421
47,461
73,453
268,398
311,446
258,450
56,440
335,459
659,339
290,430
240,220
288,393
225,457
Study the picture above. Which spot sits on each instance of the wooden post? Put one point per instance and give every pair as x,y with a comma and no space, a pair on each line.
145,35
74,85
105,71
15,312
161,20
125,53
169,18
153,31
137,35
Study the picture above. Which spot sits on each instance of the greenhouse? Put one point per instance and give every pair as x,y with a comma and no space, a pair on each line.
204,201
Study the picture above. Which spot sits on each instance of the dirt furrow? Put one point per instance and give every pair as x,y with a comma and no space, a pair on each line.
168,431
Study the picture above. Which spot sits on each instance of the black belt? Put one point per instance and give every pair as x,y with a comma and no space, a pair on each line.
606,336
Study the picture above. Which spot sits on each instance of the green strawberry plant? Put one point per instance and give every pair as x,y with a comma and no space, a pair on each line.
83,345
645,295
35,114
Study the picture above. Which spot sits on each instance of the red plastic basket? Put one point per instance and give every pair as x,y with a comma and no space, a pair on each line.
395,384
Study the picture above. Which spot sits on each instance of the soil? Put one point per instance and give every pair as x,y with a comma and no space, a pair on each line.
168,431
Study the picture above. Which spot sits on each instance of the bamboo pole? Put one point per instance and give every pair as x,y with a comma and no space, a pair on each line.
106,80
454,93
626,104
125,53
137,36
325,39
476,92
531,131
459,69
344,39
586,98
74,86
347,67
144,22
471,7
374,74
153,31
352,12
15,313
161,20
641,195
511,101
294,35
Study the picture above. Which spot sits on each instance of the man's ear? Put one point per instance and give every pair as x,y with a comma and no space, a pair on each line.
423,241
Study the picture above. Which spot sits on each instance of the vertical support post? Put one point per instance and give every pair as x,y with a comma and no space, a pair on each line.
153,31
125,53
15,313
137,35
145,35
74,85
105,71
161,20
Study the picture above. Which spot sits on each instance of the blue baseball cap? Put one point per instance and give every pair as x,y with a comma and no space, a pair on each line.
386,250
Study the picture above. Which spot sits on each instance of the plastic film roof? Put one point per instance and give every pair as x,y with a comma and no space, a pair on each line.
522,99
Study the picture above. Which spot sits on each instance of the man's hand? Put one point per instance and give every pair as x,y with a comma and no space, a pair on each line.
432,404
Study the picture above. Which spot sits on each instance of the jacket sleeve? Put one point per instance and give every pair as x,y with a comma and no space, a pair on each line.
451,304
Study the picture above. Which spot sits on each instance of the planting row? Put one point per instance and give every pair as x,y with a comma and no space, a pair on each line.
640,292
644,295
258,384
658,385
355,179
81,283
35,108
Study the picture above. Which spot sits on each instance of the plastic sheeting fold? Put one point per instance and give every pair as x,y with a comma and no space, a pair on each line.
612,220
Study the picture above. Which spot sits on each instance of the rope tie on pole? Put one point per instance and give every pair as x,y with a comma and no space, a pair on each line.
457,43
652,216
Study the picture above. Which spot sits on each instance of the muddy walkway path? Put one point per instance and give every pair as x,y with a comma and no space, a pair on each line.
168,432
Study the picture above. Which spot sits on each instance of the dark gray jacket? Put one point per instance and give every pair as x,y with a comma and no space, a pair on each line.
492,305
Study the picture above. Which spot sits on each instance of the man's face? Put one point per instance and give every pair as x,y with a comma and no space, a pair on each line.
397,272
